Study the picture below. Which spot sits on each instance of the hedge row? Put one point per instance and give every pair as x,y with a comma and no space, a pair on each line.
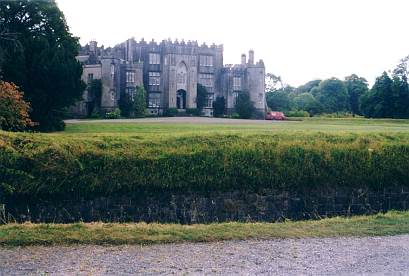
74,167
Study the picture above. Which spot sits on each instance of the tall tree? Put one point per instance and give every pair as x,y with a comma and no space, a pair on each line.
401,88
273,82
244,106
43,65
332,94
201,96
219,106
379,101
356,87
140,102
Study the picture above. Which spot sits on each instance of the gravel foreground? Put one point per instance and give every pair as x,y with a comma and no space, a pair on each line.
327,256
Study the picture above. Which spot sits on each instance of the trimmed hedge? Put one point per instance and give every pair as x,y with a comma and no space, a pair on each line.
58,166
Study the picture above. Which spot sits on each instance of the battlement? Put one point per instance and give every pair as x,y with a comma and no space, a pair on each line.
175,43
260,63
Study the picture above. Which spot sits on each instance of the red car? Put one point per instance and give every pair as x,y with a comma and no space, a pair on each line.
275,115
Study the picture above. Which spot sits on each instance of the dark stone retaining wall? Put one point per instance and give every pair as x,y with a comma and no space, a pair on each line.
265,205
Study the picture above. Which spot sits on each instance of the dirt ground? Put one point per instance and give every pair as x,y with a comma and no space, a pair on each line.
313,256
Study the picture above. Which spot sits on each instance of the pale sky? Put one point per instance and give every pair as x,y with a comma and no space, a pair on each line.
300,40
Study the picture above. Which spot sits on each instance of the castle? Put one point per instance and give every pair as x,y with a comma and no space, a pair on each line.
169,72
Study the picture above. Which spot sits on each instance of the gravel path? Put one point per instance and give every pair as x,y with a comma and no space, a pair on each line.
329,256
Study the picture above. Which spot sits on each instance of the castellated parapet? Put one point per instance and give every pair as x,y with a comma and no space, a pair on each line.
170,72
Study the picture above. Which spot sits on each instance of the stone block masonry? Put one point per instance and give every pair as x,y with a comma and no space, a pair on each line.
170,72
266,205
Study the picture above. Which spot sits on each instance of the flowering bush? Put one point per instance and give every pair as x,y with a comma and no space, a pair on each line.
13,109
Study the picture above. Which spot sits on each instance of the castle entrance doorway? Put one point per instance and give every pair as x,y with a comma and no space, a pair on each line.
181,99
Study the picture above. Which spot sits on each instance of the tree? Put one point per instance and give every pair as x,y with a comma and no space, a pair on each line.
279,99
388,98
126,105
244,106
13,109
379,101
95,91
356,87
332,95
201,96
44,64
140,102
273,82
401,97
133,105
219,107
306,88
307,102
401,89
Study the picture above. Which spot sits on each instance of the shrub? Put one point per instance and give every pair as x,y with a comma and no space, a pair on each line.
13,109
95,115
58,167
171,112
193,111
297,113
219,106
235,116
115,114
338,115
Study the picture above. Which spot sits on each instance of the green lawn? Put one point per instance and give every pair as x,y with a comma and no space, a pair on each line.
358,125
392,223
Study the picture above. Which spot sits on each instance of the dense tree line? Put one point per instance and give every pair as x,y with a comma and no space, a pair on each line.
388,97
319,96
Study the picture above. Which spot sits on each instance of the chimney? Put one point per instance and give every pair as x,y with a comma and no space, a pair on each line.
243,59
251,57
93,46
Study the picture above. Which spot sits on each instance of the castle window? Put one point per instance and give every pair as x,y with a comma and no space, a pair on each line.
154,78
207,81
154,100
154,58
131,92
112,71
130,76
206,60
236,84
209,100
90,78
235,96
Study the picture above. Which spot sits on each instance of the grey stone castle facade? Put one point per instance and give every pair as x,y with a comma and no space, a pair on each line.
169,72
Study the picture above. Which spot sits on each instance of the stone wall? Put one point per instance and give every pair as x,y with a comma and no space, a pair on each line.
186,208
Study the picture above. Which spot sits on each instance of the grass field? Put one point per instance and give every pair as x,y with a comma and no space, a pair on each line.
327,125
392,223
